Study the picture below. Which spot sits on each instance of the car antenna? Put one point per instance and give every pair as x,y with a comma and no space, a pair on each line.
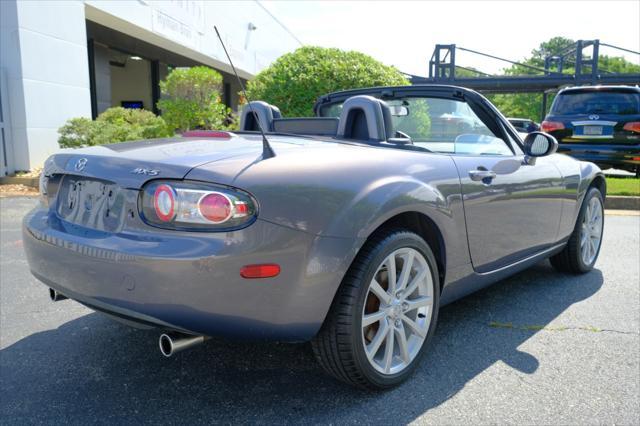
267,151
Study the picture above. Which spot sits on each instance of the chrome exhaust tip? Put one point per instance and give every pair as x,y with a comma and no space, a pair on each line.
55,296
172,343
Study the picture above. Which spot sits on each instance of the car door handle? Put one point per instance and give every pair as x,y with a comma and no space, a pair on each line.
479,175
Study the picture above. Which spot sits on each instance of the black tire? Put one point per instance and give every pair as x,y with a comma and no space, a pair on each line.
570,258
338,346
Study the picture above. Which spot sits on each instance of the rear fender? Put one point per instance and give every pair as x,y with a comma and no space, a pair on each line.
386,198
589,172
331,257
383,199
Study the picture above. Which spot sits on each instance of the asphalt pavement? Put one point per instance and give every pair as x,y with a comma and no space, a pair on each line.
537,348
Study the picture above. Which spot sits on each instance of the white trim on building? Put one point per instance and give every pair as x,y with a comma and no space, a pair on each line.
44,56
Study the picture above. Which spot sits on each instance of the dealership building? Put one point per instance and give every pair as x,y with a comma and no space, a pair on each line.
76,58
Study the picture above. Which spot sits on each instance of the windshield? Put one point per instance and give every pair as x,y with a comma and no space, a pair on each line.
580,103
438,125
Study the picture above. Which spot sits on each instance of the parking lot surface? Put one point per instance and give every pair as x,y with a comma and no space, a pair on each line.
539,347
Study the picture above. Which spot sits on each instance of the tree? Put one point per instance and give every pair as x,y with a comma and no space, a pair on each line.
553,47
520,105
528,105
295,80
468,72
193,100
617,64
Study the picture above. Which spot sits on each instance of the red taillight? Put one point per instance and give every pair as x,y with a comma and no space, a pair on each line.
242,209
207,134
260,271
215,207
193,206
164,203
550,126
633,126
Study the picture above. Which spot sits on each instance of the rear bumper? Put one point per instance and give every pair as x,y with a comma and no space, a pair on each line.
620,156
189,281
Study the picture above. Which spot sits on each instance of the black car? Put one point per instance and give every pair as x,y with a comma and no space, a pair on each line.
600,124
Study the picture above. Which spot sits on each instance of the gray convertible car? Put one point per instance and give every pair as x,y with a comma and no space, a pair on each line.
350,229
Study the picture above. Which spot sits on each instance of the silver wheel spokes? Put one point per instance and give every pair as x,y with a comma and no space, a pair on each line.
591,231
397,311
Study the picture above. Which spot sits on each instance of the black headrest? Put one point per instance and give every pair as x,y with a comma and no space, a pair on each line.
365,118
263,111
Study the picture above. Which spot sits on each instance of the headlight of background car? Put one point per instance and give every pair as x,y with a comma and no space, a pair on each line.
196,206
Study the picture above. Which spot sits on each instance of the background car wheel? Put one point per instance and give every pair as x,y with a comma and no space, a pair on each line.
583,247
384,313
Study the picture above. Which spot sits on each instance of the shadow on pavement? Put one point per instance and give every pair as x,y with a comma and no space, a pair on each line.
94,370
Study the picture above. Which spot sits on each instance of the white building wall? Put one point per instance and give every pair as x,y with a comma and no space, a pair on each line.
44,54
10,69
186,27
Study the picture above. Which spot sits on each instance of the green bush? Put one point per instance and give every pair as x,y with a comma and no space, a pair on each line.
76,133
295,80
113,125
193,100
134,123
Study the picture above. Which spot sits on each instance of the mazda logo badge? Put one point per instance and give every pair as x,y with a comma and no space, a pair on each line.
80,164
594,117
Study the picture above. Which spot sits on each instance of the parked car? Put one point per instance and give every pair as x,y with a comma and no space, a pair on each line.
599,124
524,125
350,232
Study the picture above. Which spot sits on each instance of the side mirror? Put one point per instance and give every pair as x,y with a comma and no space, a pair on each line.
539,144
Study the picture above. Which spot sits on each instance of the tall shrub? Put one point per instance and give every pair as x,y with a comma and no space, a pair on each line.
295,80
113,125
193,100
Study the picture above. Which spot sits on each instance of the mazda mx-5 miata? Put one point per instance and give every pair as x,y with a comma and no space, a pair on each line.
349,229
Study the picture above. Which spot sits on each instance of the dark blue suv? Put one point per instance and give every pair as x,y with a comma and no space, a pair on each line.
600,124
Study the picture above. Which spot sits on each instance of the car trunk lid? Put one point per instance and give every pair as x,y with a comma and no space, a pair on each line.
97,187
596,115
131,164
596,129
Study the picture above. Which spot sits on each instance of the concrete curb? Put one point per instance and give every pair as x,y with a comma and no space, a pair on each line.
619,202
622,213
18,180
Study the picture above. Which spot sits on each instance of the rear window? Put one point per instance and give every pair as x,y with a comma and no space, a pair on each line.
579,103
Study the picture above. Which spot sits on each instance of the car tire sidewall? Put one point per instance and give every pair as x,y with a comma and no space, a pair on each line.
396,241
593,192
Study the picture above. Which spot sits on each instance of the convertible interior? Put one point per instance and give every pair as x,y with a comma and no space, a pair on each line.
418,124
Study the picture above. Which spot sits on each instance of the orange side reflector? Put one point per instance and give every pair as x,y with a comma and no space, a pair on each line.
260,271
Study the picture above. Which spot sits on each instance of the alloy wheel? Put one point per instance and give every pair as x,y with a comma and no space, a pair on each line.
398,311
591,234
